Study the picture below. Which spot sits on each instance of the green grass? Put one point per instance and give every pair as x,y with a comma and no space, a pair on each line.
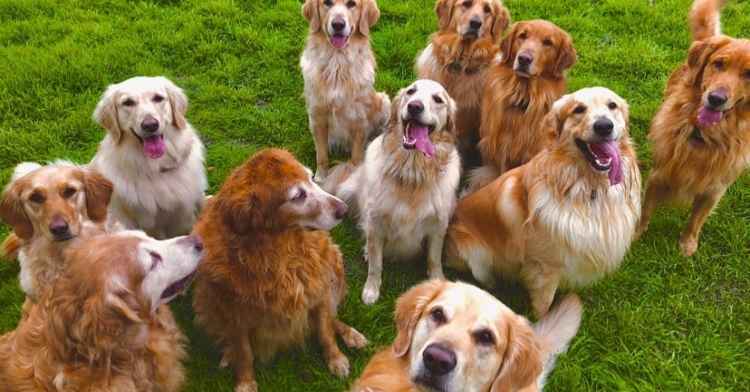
660,323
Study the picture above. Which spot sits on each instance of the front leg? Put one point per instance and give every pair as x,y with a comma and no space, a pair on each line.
702,207
435,254
319,129
541,281
375,242
323,318
358,134
241,354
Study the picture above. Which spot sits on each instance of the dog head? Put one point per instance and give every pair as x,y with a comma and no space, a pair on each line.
340,19
424,114
272,191
473,18
459,338
593,123
538,47
54,201
141,110
720,67
111,289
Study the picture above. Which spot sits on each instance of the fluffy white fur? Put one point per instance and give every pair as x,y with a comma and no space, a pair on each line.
160,196
404,197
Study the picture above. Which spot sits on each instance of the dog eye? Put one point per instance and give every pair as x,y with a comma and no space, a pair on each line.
158,98
155,259
437,99
69,192
300,196
612,106
547,42
36,198
746,75
522,36
327,3
484,338
411,91
487,9
351,4
718,65
128,102
438,316
579,109
466,4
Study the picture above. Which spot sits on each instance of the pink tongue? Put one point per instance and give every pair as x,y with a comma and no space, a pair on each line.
154,147
609,149
708,117
419,132
338,41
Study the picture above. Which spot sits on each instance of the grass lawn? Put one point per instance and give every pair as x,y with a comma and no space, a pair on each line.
660,323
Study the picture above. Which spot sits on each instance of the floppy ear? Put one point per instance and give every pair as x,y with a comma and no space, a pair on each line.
12,213
106,113
552,123
179,102
444,11
369,16
506,44
98,194
500,19
698,56
409,309
240,213
310,12
521,363
566,57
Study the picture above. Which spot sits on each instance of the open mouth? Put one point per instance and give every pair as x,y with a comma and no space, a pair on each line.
417,135
708,116
339,40
153,145
178,286
603,156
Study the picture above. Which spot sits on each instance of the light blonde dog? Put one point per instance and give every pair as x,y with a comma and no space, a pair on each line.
568,216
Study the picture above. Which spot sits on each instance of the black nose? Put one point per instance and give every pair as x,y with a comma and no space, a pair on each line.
150,124
603,126
338,24
438,359
525,58
415,107
59,226
717,98
475,23
341,209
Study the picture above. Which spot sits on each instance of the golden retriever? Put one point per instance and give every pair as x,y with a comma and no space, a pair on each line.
459,55
520,91
700,138
406,188
51,208
105,325
456,337
152,155
568,216
338,67
271,273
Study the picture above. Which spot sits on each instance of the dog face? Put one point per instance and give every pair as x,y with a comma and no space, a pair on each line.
112,285
272,191
340,19
423,113
538,47
460,338
54,201
473,18
591,122
721,67
142,110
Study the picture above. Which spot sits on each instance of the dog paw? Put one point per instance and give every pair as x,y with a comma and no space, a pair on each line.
354,339
338,365
436,274
371,292
226,359
320,176
688,247
640,229
246,386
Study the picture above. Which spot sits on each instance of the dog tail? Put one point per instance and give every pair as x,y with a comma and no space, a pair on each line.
23,169
347,191
11,247
704,19
554,332
337,176
479,177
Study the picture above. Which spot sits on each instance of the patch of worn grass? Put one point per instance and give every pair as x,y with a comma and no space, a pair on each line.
660,323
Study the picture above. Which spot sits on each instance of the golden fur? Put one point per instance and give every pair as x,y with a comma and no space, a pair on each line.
271,273
493,348
51,208
459,55
557,220
97,329
343,107
517,97
694,163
